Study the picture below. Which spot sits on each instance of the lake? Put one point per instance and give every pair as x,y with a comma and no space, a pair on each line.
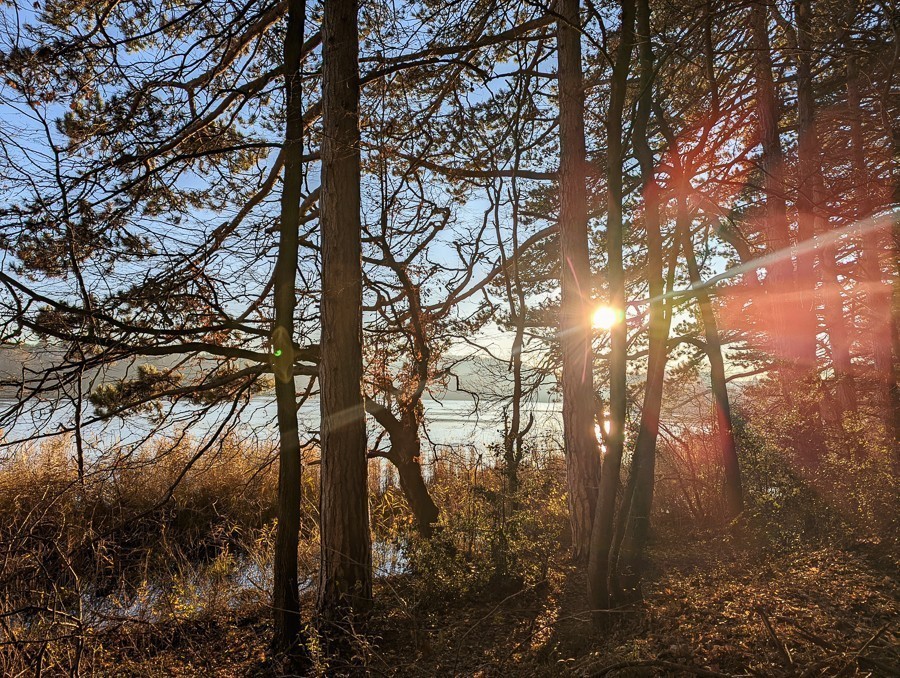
448,422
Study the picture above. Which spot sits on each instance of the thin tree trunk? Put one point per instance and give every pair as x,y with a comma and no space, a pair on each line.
286,597
512,441
734,502
887,337
780,277
345,576
627,565
513,430
515,436
807,194
79,432
582,451
891,123
877,293
602,531
791,320
808,198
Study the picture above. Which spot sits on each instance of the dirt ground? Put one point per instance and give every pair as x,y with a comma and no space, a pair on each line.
710,608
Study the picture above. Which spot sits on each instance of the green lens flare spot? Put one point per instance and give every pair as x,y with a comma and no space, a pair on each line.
277,352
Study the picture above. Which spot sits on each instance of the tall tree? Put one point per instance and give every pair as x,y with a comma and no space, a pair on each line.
789,297
734,501
345,575
636,503
733,490
810,194
878,295
690,154
285,595
582,451
516,430
602,529
781,286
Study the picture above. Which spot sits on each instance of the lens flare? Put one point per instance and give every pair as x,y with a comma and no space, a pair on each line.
605,317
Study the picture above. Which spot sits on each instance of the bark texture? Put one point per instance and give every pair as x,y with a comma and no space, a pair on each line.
285,598
603,527
582,451
405,454
412,483
345,577
635,511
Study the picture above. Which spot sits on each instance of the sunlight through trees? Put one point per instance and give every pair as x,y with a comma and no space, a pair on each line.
357,313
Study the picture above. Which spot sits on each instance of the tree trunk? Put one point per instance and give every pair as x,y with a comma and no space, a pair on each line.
626,563
345,577
870,240
412,484
405,455
512,441
878,294
734,502
602,531
582,452
809,195
780,287
891,122
792,329
79,432
514,432
285,595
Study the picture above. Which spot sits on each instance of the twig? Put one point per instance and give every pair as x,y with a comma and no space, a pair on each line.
811,637
782,648
816,668
880,665
489,615
858,654
875,636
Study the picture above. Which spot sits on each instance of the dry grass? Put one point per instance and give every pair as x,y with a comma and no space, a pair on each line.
703,612
107,579
152,536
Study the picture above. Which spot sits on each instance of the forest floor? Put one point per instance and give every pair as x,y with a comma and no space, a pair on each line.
711,607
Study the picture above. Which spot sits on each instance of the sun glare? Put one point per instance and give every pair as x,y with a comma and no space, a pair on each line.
604,317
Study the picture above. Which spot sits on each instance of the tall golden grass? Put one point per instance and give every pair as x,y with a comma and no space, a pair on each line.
156,537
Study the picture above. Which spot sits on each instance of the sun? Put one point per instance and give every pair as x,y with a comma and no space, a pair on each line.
604,317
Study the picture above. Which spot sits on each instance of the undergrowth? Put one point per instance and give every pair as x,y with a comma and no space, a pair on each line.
158,548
